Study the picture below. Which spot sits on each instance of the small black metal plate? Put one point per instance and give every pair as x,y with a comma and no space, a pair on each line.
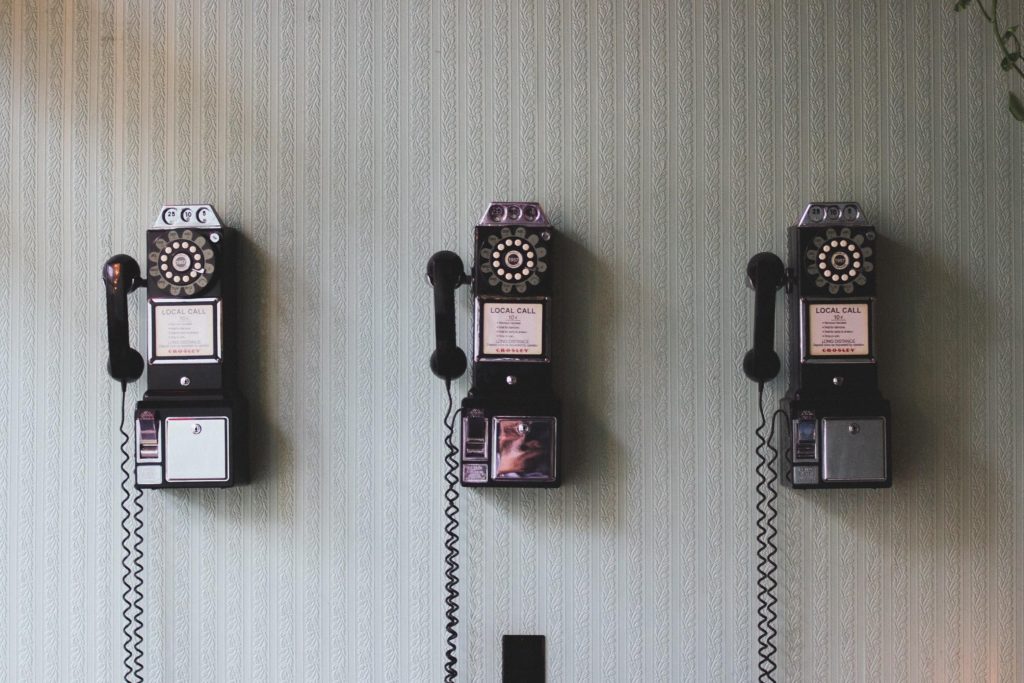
522,659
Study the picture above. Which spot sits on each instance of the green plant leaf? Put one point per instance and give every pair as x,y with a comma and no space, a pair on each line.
1016,107
1008,61
961,5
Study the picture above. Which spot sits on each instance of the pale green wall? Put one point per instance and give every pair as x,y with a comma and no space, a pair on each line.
349,140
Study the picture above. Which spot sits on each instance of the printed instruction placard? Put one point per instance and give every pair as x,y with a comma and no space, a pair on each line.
839,329
513,328
183,331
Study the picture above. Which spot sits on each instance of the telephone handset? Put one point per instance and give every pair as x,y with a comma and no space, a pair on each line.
838,430
510,417
767,275
445,273
121,276
189,427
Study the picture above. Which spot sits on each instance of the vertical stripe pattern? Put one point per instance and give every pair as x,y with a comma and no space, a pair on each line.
347,141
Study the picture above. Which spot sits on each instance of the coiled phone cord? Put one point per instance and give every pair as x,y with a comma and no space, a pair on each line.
451,511
767,548
131,561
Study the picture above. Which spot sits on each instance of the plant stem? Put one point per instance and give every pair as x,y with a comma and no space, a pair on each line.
994,20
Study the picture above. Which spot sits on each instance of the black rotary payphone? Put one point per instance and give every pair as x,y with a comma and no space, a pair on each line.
838,423
510,417
190,425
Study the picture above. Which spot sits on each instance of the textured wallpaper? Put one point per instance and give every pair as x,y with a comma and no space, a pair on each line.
349,140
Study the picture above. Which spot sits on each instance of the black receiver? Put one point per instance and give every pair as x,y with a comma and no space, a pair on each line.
838,434
190,426
121,276
510,417
445,273
766,275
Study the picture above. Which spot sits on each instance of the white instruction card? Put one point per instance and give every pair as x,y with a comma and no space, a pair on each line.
839,329
184,331
513,328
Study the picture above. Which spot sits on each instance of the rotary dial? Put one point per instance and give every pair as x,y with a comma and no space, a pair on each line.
183,262
839,261
514,259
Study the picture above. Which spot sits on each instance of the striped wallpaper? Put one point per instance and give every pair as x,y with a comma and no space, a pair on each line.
668,142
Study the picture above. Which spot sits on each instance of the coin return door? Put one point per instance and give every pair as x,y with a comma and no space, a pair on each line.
853,450
183,450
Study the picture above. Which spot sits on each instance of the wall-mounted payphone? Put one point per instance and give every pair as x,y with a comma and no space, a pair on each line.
510,418
838,430
189,427
836,423
190,424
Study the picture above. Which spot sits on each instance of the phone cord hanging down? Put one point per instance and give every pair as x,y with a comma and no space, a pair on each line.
451,541
131,561
766,532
